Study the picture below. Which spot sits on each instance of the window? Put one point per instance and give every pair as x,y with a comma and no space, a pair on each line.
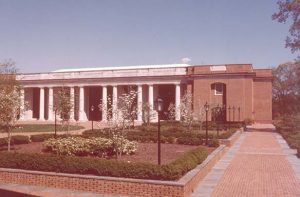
218,89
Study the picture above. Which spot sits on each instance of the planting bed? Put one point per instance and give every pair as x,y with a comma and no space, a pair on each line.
146,152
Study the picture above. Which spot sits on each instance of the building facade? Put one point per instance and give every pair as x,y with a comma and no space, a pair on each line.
239,90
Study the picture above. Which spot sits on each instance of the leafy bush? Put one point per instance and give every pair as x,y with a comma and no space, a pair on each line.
44,137
20,139
41,137
248,121
16,139
214,143
190,141
89,146
104,167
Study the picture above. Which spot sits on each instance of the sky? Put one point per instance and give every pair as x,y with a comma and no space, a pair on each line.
46,35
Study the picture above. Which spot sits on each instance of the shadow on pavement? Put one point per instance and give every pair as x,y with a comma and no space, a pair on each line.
8,193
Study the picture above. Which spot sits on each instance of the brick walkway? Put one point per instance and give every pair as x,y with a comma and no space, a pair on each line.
259,164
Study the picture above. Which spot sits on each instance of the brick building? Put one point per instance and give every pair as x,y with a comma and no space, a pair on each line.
238,89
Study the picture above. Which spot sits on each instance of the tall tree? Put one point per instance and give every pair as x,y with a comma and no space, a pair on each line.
10,102
286,89
290,9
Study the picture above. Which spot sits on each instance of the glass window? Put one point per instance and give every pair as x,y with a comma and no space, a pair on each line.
218,89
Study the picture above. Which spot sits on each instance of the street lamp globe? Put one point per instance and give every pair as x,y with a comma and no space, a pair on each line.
158,105
206,107
92,108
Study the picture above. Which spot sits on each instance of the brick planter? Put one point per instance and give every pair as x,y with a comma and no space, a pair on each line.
112,185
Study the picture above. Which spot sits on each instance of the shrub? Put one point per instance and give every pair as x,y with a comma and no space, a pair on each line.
189,141
41,137
16,139
214,143
20,139
104,167
89,146
248,121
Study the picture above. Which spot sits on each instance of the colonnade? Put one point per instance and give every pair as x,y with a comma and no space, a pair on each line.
82,115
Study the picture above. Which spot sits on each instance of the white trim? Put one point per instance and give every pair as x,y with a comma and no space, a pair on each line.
124,67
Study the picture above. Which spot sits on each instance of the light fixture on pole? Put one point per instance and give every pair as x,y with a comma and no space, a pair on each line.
158,105
92,115
206,107
55,122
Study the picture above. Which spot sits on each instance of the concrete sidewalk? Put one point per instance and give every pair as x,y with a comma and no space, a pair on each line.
259,164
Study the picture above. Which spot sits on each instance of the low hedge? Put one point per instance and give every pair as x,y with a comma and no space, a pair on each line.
44,137
16,139
104,167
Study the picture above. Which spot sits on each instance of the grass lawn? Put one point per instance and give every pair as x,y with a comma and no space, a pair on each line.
44,128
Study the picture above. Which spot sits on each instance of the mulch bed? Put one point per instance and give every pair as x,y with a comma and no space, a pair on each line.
146,152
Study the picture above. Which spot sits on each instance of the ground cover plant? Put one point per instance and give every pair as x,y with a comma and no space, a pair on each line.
43,128
289,128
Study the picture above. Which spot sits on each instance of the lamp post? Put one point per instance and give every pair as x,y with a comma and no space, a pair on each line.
158,104
206,107
239,109
55,122
92,109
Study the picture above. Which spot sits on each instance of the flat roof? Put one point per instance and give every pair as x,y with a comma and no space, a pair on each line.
124,67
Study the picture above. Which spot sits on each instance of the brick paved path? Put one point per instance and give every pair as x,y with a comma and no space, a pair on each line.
259,164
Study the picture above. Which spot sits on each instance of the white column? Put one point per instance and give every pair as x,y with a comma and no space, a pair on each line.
115,100
150,97
22,106
42,103
177,101
72,112
81,104
50,105
139,102
104,103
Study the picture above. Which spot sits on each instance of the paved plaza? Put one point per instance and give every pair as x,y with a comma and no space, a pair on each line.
259,164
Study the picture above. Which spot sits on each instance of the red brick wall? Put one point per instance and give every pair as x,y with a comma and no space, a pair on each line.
262,101
247,88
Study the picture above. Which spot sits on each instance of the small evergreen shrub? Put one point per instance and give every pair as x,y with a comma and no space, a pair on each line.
104,167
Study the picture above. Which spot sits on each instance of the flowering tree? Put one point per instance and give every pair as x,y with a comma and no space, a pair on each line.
64,105
171,112
186,110
122,118
10,102
148,113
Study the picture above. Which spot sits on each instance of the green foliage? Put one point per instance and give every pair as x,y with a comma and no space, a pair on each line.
289,128
104,167
100,147
171,132
41,137
16,139
248,121
286,89
213,143
190,141
44,128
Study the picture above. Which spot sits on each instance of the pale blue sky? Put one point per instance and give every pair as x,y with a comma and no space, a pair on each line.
42,35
